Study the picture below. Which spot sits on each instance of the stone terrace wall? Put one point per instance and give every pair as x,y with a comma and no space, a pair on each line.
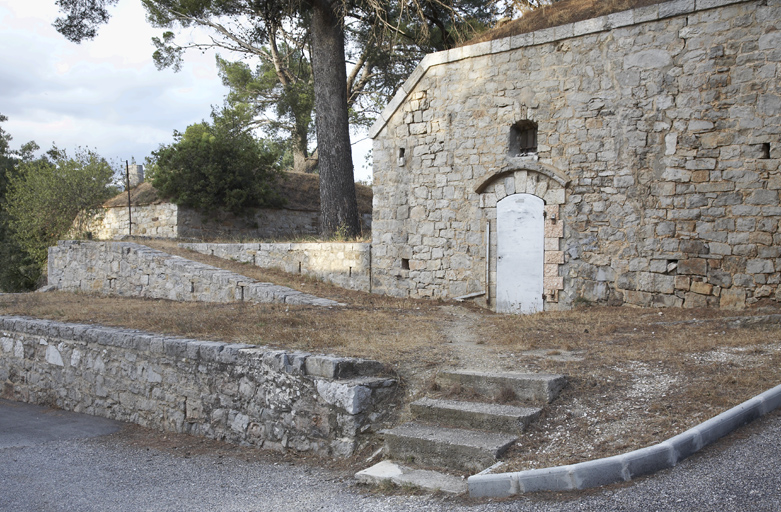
156,220
239,393
170,221
344,264
662,125
133,270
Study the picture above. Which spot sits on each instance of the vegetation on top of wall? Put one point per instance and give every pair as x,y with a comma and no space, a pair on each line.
44,197
211,167
300,191
559,13
17,270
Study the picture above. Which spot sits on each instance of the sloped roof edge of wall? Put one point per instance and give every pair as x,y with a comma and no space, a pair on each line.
591,26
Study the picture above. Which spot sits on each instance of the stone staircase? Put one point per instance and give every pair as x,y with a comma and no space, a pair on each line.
458,436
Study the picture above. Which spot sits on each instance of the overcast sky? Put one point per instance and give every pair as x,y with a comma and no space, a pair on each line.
105,94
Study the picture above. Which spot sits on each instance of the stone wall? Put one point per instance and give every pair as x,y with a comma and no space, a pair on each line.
344,264
133,270
154,220
167,220
657,144
238,393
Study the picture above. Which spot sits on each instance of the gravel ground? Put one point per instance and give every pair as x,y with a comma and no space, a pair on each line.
138,470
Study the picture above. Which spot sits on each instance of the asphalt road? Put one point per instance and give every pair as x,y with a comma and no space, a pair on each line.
55,460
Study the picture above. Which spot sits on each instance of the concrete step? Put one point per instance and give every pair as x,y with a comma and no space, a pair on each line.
526,386
453,448
475,415
397,474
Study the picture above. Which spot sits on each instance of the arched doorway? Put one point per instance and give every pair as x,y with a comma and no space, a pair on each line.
520,256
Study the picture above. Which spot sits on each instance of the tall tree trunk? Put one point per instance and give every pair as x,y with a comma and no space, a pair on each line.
302,160
300,155
338,206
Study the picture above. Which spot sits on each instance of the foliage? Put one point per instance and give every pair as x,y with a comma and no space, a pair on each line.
384,43
211,166
43,200
379,38
258,99
18,272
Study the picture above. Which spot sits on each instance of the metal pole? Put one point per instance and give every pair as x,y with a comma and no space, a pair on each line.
129,210
488,262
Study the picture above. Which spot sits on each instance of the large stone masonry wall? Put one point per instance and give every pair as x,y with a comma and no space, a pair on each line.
344,264
133,270
664,123
240,393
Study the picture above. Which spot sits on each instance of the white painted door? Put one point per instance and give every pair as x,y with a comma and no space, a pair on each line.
520,253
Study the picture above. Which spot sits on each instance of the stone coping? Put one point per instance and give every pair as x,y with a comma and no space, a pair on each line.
295,362
629,465
605,23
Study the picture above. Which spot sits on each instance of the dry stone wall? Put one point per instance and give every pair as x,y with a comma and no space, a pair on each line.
344,264
167,220
155,220
658,142
240,393
133,270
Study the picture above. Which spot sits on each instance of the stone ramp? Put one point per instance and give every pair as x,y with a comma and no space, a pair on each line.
133,270
461,436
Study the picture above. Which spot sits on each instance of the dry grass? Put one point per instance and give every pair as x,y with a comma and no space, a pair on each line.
359,331
637,376
560,13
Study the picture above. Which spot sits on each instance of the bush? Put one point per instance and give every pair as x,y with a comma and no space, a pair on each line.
211,167
45,196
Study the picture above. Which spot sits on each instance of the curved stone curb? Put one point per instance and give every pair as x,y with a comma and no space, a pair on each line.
628,465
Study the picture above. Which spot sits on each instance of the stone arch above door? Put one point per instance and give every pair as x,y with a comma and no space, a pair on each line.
544,182
544,173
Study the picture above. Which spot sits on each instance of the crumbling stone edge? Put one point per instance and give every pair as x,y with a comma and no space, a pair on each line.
629,465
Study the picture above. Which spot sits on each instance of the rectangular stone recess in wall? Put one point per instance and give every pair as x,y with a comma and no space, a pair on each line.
239,393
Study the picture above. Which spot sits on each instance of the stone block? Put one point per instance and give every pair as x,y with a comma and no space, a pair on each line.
620,19
733,298
760,266
693,266
551,244
701,288
548,479
589,26
649,460
556,257
598,472
694,300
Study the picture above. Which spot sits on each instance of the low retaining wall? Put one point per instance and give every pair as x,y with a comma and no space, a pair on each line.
239,393
344,264
133,270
